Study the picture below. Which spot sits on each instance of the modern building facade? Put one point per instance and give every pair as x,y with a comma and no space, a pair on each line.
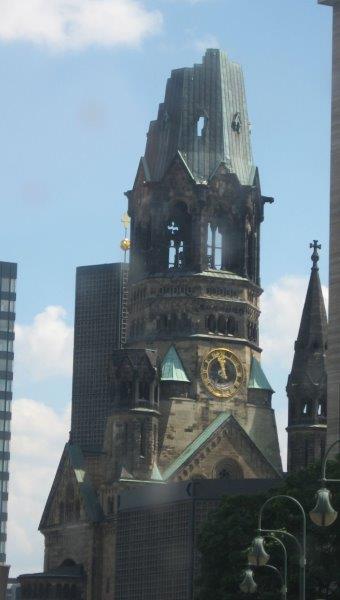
307,382
99,329
333,354
8,276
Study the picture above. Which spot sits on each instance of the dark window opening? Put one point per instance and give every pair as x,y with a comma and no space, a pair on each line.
155,395
211,323
232,326
222,325
143,390
142,440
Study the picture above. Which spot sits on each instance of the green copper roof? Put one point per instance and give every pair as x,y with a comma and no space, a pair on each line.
196,444
257,379
172,368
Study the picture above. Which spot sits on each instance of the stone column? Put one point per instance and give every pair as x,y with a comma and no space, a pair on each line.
333,355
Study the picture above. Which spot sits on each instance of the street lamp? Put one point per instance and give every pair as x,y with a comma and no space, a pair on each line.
258,557
323,514
301,545
248,585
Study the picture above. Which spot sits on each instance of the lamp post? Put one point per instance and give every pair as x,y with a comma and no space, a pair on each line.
258,557
323,514
248,585
300,544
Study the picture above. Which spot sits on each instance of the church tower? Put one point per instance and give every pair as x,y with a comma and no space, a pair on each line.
196,210
307,382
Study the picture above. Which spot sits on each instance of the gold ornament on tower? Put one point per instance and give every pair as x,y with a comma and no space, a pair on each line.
125,244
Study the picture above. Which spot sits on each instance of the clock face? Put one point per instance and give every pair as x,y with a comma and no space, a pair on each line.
222,372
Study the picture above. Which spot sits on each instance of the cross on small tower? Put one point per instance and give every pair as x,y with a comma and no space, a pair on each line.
315,256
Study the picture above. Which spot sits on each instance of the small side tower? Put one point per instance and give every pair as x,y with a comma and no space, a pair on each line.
307,382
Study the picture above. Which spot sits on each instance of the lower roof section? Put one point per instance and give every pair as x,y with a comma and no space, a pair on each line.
209,489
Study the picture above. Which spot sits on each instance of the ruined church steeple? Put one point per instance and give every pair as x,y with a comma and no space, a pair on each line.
307,382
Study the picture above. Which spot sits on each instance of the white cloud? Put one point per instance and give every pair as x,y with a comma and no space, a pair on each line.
38,438
281,307
76,24
44,348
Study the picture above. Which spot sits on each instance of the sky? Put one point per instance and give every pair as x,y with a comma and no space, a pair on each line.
80,81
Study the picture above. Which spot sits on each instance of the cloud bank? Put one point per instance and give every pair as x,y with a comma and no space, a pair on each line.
44,349
38,437
77,24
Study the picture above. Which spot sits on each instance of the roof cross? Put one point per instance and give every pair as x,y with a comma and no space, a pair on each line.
315,256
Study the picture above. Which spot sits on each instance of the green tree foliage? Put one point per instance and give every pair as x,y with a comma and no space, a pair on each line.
228,533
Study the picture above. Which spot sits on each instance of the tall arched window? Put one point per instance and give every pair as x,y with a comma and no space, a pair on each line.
222,325
143,439
211,323
232,326
214,247
179,234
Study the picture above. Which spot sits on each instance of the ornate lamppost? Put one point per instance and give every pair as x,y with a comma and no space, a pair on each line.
323,514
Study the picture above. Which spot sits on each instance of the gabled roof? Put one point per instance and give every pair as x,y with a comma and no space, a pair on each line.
257,379
73,453
203,438
172,367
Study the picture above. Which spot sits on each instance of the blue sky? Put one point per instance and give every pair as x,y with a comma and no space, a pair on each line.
75,106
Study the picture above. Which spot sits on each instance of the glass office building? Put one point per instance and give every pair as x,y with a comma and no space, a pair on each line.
8,275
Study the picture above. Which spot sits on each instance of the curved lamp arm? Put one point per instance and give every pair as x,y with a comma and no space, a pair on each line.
285,562
297,503
287,534
324,464
303,545
283,585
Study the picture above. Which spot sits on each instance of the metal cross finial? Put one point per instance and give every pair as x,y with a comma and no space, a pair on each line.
315,256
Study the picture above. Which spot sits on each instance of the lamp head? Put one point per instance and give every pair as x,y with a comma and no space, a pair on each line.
323,514
248,585
257,556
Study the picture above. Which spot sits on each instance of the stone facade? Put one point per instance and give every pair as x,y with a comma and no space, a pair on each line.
187,394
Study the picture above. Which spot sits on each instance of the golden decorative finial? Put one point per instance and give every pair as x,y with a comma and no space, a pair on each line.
125,244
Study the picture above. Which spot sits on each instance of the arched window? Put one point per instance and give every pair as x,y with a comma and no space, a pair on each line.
143,390
163,322
143,439
228,468
250,255
231,326
211,323
155,438
173,322
222,325
179,233
214,247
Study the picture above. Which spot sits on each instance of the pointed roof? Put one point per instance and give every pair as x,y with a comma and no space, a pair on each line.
73,453
309,362
172,367
203,117
257,379
313,326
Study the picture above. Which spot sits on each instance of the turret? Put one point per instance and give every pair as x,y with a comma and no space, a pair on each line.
307,382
